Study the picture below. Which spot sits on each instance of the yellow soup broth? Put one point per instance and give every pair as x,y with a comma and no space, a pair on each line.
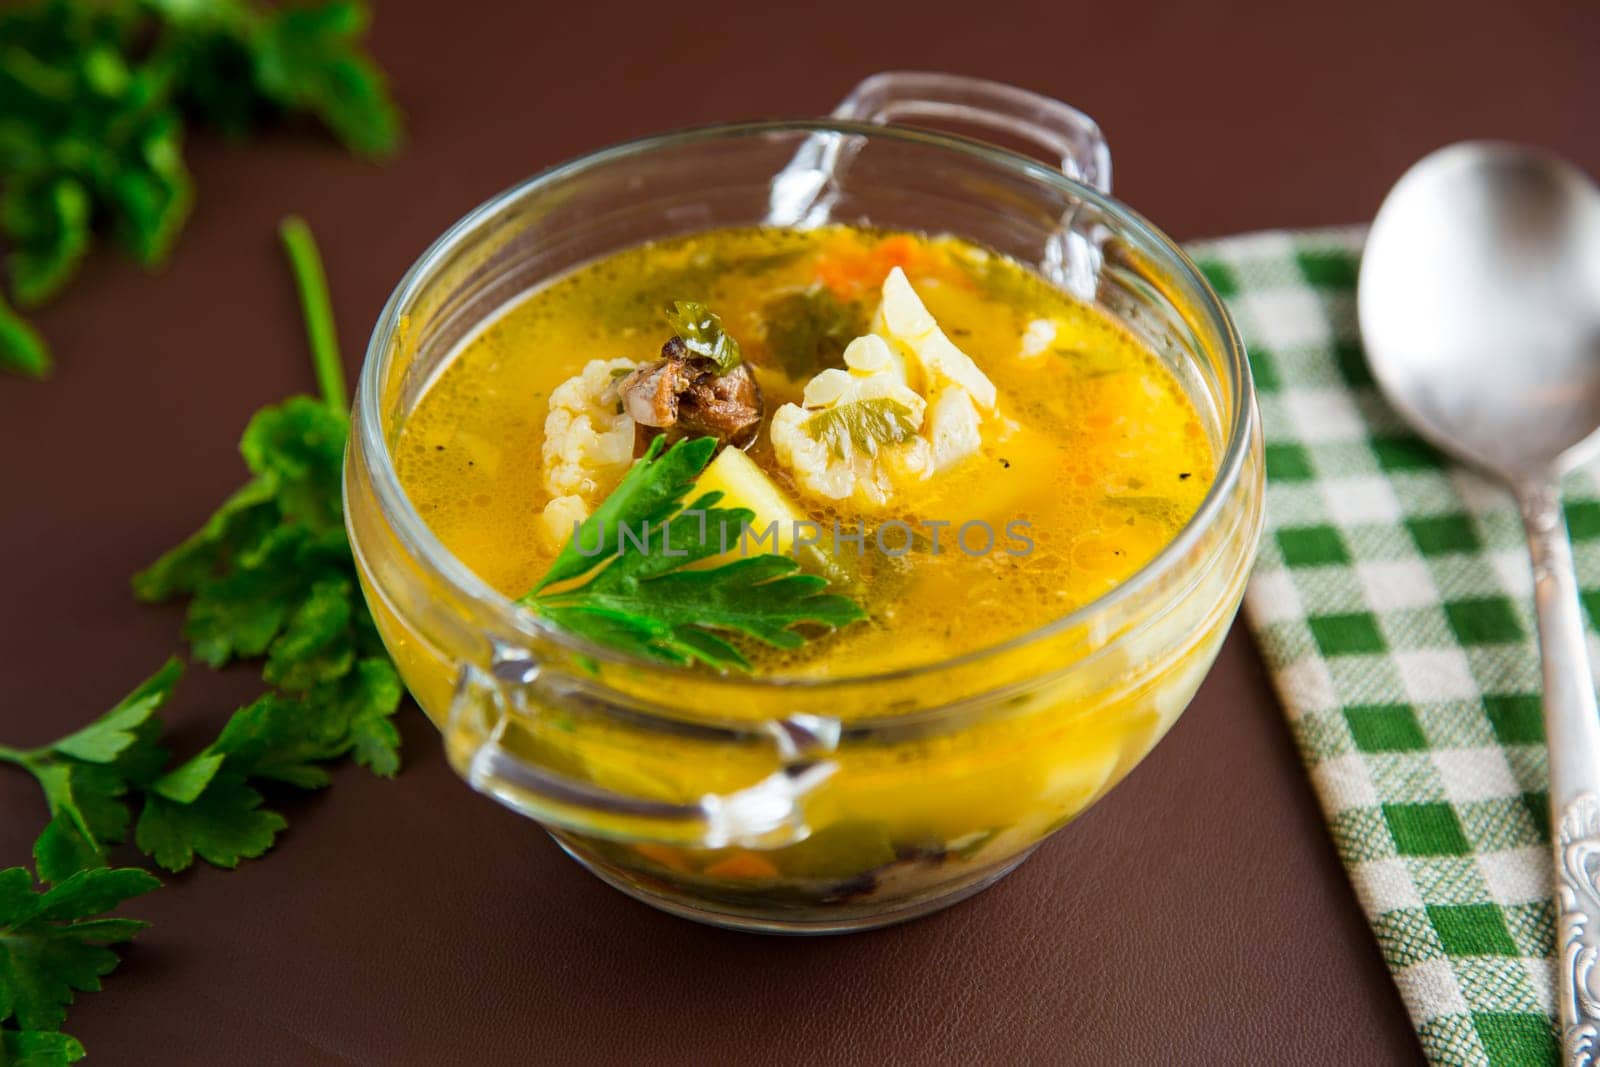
1099,459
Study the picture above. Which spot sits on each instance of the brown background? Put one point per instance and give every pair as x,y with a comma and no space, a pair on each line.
1198,915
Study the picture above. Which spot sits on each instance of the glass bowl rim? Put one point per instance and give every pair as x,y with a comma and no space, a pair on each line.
420,542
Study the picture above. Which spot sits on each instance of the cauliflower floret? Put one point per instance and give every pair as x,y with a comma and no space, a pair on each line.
1037,337
588,443
562,515
952,428
858,426
905,322
864,430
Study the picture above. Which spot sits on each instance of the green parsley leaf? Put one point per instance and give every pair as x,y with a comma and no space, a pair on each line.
39,1048
113,733
655,604
186,782
93,103
22,350
807,331
652,490
362,706
861,425
149,193
53,943
270,575
205,48
47,224
279,739
86,775
702,333
308,59
207,807
223,825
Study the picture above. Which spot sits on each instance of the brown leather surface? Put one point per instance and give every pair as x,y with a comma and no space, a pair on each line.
1198,915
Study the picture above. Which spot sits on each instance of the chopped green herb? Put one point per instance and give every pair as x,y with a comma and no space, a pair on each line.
861,424
654,604
696,279
807,331
1154,508
702,333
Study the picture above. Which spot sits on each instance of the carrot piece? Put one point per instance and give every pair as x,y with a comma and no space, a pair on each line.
673,859
845,276
897,251
743,866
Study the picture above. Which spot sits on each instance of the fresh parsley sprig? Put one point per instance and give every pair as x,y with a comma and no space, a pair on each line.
54,943
656,604
269,576
94,96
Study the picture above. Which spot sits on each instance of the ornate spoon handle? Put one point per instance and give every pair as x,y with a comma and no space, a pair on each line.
1572,733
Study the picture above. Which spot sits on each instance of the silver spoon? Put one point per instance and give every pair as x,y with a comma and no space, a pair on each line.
1480,311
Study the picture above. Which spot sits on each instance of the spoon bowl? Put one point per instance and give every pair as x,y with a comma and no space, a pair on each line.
1479,304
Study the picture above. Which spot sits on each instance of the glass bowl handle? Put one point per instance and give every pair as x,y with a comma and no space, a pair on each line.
807,190
913,97
768,813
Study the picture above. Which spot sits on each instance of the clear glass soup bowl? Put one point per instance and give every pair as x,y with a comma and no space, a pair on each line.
819,804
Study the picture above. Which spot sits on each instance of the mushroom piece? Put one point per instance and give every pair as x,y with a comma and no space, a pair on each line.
684,395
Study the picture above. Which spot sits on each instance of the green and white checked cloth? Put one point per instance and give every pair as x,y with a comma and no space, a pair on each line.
1393,604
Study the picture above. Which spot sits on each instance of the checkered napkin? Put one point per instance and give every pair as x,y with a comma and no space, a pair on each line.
1393,604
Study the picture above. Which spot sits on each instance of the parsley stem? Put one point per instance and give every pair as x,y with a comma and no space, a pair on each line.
312,281
17,756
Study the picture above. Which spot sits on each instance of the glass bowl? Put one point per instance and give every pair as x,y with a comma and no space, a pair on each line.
847,802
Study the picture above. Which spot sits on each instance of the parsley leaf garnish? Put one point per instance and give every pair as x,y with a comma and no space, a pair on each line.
861,424
656,604
702,332
54,944
93,102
